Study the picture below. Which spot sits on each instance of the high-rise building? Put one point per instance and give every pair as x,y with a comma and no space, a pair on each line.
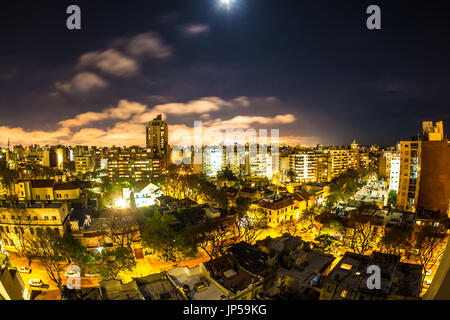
342,160
410,166
434,192
212,161
261,165
84,164
304,165
394,171
133,163
424,171
158,137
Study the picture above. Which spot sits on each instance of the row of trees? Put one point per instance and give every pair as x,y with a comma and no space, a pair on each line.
361,235
181,186
343,187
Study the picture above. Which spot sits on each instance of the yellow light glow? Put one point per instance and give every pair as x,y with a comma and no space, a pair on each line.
120,203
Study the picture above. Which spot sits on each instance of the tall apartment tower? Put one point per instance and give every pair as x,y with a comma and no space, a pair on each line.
424,182
158,137
409,179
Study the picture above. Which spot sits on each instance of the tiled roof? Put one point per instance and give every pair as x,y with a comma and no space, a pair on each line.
42,183
65,186
276,205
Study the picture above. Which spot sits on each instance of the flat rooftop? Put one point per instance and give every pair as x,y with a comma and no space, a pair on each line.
184,276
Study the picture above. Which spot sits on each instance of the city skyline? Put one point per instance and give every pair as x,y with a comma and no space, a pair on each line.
256,65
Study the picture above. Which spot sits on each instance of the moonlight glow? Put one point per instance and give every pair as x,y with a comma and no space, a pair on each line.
226,3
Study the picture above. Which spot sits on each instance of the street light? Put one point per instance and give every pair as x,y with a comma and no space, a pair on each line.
120,203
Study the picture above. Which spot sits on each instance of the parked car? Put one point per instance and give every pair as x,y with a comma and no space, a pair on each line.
72,274
24,270
92,275
35,283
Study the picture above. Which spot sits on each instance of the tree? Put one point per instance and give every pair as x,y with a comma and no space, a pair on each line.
166,242
290,226
291,174
48,246
21,230
226,174
392,198
430,247
309,215
214,240
110,263
395,241
7,178
360,233
326,243
76,252
121,229
346,185
252,225
332,228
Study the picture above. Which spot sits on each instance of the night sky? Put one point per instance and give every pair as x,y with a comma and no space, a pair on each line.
310,68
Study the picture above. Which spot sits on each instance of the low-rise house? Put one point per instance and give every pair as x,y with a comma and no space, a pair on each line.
219,279
106,230
318,192
47,190
196,284
116,290
252,259
158,287
304,271
21,218
278,210
91,293
278,249
251,193
348,279
144,194
302,200
238,283
374,193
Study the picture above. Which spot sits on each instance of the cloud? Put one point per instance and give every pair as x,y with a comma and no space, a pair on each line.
21,136
81,83
299,141
195,29
196,107
245,122
124,110
148,45
124,124
111,62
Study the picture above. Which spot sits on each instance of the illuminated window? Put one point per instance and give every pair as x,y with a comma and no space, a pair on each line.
344,293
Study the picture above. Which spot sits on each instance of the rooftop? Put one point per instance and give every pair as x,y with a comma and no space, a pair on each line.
250,258
182,276
65,186
157,287
285,243
116,290
227,273
275,204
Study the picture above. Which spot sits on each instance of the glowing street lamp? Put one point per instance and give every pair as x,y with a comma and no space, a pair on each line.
120,203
